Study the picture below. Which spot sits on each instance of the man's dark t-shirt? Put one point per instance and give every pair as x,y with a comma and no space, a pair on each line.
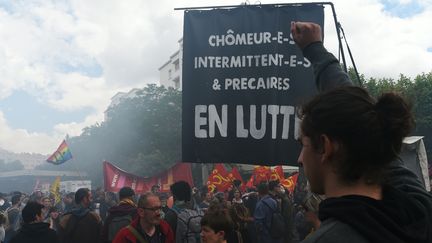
157,237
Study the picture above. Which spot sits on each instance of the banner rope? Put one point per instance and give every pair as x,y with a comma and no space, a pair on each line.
351,56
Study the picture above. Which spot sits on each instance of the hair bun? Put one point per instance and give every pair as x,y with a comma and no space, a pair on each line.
395,115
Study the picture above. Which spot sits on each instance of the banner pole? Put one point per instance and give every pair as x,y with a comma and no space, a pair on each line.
254,5
337,25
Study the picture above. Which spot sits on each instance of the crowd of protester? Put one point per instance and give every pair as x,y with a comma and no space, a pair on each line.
183,214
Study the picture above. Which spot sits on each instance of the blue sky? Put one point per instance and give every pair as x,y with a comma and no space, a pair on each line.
403,9
24,111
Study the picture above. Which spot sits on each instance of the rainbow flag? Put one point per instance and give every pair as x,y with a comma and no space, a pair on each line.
61,155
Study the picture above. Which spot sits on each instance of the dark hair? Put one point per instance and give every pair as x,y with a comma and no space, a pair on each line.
218,220
126,192
369,131
30,211
80,194
155,187
237,183
181,191
273,184
53,209
15,199
263,188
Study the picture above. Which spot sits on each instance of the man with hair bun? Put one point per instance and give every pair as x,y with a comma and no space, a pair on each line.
351,143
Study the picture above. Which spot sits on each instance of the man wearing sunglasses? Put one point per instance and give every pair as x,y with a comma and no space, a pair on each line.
148,227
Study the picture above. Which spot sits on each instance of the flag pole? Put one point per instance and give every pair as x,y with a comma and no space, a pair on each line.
73,157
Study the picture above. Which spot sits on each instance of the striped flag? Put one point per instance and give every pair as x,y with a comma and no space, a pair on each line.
61,155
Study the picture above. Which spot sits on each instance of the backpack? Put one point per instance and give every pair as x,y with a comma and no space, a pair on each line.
116,224
277,223
13,215
188,225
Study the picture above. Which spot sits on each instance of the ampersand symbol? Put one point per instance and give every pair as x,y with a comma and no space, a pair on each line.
216,85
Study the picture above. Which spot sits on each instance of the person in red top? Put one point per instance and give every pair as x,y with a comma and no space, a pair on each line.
148,226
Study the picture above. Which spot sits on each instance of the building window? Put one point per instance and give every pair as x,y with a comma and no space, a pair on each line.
177,82
169,74
177,65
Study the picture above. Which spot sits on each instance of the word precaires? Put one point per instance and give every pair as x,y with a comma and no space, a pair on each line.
276,83
209,123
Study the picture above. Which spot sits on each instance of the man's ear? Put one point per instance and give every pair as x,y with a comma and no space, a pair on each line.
140,212
329,147
221,234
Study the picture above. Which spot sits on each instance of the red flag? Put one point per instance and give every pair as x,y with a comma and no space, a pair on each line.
236,174
290,182
277,173
179,172
219,179
261,173
116,178
250,182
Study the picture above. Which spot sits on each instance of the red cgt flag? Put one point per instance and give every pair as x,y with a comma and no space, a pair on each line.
219,179
277,173
261,173
250,182
290,182
236,175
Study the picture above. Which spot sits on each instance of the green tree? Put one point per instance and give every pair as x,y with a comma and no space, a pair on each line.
141,135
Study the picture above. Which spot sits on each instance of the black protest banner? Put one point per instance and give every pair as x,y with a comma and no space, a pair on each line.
243,77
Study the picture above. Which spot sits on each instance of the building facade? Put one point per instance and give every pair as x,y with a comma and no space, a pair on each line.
171,71
118,98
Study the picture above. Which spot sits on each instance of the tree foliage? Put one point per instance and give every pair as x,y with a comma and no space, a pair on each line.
141,135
